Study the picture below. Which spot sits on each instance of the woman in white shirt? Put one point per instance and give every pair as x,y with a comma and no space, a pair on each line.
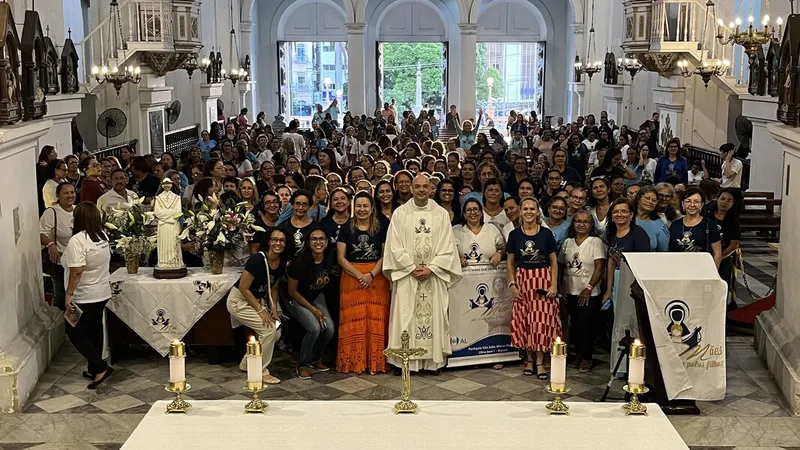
476,241
582,259
86,260
56,173
55,230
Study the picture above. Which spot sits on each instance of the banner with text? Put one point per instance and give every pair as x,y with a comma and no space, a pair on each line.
480,317
687,317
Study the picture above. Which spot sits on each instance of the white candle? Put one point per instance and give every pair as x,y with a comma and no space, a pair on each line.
253,361
636,363
177,362
558,364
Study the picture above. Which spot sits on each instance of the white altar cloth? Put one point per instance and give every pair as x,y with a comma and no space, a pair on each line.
162,310
221,424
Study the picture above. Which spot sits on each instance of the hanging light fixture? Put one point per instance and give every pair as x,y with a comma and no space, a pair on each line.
630,65
707,67
751,38
236,73
191,64
587,66
114,75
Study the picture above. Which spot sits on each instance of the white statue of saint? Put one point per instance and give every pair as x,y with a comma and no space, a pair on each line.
167,207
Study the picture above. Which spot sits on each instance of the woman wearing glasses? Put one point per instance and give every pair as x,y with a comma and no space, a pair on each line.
583,260
308,275
253,301
476,242
695,233
445,197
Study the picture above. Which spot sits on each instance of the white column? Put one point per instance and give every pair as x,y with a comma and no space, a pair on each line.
613,95
31,331
246,99
469,69
61,109
766,157
777,331
576,89
209,94
670,100
356,70
150,120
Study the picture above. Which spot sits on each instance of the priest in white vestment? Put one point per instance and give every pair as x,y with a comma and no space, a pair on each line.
421,261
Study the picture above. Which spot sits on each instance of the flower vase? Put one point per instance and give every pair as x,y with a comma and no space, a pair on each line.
132,262
216,259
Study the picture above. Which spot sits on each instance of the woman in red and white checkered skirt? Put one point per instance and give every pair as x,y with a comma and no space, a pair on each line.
532,265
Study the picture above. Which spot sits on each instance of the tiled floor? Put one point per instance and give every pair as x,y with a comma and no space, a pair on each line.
62,414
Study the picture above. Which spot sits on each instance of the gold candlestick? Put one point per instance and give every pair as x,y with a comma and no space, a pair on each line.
179,405
405,405
557,406
634,406
255,405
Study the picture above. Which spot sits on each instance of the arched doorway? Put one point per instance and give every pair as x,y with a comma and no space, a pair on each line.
411,52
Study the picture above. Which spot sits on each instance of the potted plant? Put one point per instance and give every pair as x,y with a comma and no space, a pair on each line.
218,229
132,232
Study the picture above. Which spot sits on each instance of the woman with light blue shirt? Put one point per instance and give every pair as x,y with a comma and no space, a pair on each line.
647,217
467,132
557,219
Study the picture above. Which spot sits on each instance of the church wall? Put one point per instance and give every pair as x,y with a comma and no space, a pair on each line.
709,112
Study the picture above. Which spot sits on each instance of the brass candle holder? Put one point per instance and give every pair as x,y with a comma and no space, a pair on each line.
557,406
179,405
634,406
255,405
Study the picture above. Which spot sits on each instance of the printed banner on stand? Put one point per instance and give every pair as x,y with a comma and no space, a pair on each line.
480,317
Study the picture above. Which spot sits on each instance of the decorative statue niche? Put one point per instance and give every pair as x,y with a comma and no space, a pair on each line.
757,85
10,89
610,74
34,68
773,68
69,66
789,73
51,64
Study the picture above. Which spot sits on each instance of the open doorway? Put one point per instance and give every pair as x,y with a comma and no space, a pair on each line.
510,76
414,74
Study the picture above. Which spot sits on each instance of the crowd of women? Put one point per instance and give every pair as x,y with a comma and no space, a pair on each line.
558,204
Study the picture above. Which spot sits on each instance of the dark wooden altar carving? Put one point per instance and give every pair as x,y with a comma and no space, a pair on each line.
10,89
610,73
773,68
69,67
757,84
34,68
51,61
789,73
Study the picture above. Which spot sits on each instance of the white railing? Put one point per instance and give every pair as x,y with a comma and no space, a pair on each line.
141,21
682,21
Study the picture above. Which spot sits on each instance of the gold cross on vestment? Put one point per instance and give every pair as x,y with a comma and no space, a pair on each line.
405,405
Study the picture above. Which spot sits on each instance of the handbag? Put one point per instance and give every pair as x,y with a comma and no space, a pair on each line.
48,267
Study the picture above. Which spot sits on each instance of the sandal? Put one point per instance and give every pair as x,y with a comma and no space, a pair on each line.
541,375
269,379
497,367
528,372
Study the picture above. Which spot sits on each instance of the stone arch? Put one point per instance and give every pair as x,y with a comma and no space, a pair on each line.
413,21
511,20
327,21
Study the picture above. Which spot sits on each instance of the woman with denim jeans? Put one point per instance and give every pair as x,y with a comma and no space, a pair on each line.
308,275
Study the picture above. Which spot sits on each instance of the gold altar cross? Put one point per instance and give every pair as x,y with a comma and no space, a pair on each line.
405,405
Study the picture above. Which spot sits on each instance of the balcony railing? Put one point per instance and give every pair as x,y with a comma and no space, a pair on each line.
713,161
182,139
114,150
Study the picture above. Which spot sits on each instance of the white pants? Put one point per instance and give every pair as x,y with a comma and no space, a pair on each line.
246,315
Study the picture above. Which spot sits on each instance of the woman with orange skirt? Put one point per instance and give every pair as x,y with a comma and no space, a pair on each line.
365,292
532,266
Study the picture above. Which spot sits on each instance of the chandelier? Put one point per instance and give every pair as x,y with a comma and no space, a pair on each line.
114,75
588,66
630,65
236,73
705,70
191,64
751,38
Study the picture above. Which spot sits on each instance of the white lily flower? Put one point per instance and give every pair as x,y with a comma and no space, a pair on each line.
221,239
111,226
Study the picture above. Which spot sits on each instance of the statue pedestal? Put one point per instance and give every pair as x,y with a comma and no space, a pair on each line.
170,273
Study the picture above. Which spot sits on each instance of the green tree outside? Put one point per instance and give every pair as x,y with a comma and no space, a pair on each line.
400,74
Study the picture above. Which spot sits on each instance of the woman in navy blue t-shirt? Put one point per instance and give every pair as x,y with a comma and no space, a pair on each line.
695,233
532,265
